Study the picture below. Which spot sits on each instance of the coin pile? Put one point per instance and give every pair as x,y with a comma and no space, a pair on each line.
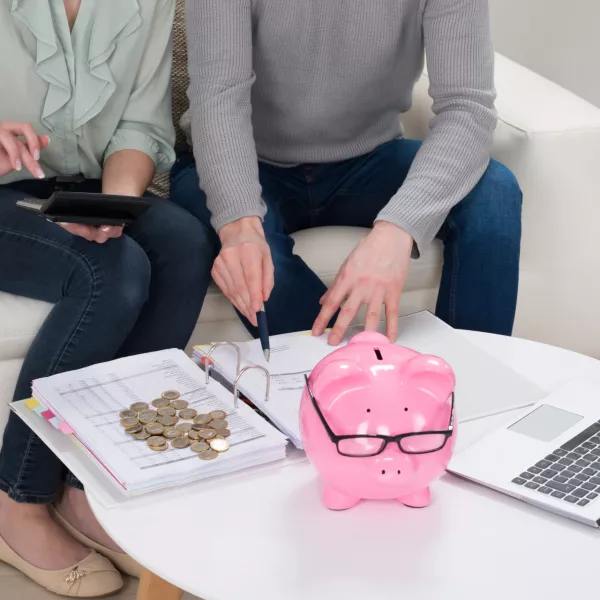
204,434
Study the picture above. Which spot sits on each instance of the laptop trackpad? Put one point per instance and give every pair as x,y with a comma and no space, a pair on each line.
545,423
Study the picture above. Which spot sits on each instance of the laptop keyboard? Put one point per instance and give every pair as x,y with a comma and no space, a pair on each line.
571,473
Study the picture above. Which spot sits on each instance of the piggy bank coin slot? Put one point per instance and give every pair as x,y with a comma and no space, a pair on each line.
378,354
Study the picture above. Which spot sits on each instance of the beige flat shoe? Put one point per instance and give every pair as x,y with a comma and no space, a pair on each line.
93,577
122,561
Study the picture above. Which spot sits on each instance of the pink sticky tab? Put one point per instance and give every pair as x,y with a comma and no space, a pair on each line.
65,428
47,414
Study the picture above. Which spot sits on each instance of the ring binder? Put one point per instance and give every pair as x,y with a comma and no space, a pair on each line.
235,383
213,348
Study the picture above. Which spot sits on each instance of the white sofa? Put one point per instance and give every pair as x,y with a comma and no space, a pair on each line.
549,137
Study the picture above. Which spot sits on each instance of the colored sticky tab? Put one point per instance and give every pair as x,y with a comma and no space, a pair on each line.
32,403
47,414
66,429
40,409
55,421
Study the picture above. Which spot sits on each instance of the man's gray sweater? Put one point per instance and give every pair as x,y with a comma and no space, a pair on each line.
314,81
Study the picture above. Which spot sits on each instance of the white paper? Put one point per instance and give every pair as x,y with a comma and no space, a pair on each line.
90,400
483,384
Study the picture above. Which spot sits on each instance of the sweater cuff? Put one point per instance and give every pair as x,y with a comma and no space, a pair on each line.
423,224
220,218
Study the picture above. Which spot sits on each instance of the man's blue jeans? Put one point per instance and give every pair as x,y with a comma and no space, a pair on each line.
481,235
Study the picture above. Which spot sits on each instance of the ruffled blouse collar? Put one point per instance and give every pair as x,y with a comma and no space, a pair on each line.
98,29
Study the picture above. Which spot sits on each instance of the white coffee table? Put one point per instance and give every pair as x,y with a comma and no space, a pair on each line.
268,537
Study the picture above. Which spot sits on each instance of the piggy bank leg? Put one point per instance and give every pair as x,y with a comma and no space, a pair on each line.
419,499
335,500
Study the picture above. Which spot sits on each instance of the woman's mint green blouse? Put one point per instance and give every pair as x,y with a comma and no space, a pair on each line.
101,88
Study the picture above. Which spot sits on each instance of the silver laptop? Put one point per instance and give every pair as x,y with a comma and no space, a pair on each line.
548,456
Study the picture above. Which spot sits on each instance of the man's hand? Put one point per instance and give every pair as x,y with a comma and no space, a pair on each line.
244,268
20,145
373,274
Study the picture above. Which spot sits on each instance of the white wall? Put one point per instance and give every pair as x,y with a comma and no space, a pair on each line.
560,39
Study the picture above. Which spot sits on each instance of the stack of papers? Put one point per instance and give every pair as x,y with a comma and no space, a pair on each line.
87,403
481,380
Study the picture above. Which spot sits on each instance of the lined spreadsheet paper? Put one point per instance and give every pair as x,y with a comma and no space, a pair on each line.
90,400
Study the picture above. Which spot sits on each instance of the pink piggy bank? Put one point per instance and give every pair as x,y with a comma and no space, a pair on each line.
377,422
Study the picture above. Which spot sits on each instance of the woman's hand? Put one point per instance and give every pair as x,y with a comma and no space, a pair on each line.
100,235
14,152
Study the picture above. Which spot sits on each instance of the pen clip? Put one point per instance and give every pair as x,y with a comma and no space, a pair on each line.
213,348
235,383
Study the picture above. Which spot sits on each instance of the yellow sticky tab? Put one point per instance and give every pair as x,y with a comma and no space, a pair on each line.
32,403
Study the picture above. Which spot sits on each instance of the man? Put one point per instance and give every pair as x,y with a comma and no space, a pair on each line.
295,123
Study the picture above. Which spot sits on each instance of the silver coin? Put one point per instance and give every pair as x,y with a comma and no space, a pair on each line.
179,404
223,432
170,395
218,414
193,435
134,429
207,434
180,442
185,427
160,403
199,447
156,440
167,411
219,444
139,406
155,429
219,424
208,455
187,413
202,419
128,414
142,435
171,433
129,421
168,421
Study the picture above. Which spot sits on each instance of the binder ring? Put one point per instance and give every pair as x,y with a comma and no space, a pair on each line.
213,348
236,398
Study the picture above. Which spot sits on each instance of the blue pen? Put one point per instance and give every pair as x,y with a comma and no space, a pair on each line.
263,331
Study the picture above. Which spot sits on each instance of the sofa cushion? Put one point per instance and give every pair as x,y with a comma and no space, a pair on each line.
324,249
20,320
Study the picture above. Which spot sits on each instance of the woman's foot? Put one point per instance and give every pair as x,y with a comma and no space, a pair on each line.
74,508
30,531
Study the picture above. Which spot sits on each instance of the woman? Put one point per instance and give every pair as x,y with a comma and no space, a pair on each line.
85,91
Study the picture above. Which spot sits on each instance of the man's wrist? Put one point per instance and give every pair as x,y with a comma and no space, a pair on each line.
240,225
387,228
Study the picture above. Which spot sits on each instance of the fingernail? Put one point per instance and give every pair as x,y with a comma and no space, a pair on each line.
19,165
40,174
36,155
105,229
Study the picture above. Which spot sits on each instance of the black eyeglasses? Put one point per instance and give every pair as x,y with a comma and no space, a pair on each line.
357,446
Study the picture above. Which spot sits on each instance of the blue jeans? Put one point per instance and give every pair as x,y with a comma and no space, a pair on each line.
481,235
139,293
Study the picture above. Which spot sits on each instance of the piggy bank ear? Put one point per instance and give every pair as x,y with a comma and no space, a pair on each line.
432,375
334,376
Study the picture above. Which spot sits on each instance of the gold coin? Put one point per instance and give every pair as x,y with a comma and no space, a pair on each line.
187,413
202,419
133,429
218,414
223,432
171,433
219,444
193,435
170,395
142,435
127,414
129,421
156,440
160,403
148,416
218,424
155,429
159,448
180,442
168,421
208,455
199,447
185,427
179,404
207,434
167,411
139,406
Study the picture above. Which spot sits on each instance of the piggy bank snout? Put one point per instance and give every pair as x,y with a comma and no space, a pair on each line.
390,467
